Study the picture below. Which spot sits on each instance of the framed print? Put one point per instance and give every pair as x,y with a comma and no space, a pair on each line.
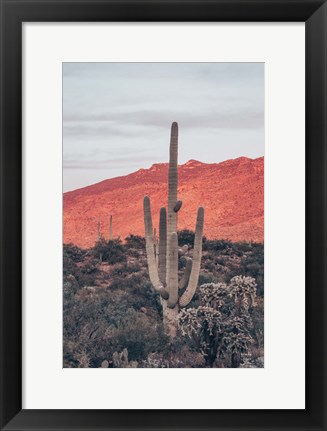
118,264
163,215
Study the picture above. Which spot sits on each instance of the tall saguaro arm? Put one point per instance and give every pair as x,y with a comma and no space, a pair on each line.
149,244
162,245
187,296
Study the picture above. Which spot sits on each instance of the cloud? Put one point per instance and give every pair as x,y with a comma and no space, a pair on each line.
118,115
109,163
129,124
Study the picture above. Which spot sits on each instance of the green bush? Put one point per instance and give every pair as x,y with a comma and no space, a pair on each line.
125,269
216,245
111,251
71,251
186,237
137,333
135,241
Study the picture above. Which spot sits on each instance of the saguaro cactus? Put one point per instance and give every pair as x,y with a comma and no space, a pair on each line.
164,273
100,238
110,229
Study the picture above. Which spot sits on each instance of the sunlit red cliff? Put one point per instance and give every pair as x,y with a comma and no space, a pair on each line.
231,193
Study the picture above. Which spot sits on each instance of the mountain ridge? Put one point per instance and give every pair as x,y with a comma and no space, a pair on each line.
231,192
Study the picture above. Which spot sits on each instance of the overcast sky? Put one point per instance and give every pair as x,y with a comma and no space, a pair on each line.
117,116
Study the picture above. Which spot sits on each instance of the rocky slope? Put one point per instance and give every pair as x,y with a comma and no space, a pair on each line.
231,193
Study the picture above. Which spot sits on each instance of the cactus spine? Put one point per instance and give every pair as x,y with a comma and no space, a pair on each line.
164,273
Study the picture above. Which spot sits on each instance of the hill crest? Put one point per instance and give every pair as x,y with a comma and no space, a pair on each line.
231,193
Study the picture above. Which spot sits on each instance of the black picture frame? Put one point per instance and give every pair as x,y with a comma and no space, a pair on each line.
13,14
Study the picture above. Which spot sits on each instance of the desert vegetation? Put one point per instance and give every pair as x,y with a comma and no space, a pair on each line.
114,318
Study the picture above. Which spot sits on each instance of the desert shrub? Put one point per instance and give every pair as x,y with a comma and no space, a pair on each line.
115,252
131,283
186,237
78,269
209,266
135,241
75,356
138,293
216,245
244,246
207,257
111,251
126,269
133,267
177,355
119,270
136,332
87,274
75,253
97,325
133,252
89,268
70,286
206,277
220,261
257,314
253,265
99,249
69,265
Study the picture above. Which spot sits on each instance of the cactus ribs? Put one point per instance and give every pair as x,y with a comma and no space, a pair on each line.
163,270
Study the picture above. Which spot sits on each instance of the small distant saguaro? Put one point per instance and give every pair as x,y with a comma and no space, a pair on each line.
110,229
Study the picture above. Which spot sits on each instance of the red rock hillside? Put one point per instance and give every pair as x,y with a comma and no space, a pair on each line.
231,193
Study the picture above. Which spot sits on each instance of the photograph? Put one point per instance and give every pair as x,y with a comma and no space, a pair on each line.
163,215
163,187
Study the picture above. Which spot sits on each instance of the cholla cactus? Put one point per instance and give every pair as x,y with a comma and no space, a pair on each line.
204,325
236,338
194,320
221,325
243,290
163,270
213,295
120,360
105,364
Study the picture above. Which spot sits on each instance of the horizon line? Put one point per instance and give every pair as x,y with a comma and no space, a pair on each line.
161,163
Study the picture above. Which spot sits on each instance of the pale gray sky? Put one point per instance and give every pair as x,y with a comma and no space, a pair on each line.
117,116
